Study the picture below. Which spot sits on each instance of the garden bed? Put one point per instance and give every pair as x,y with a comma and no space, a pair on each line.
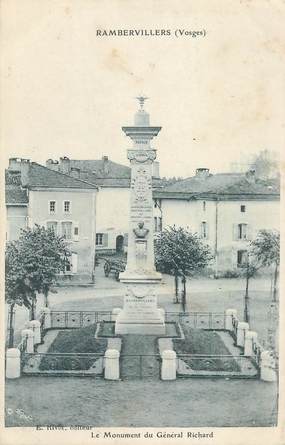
75,349
204,345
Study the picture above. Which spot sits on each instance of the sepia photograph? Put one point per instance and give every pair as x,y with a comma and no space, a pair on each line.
141,147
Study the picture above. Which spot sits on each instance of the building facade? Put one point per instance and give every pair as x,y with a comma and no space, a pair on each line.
38,195
226,210
113,182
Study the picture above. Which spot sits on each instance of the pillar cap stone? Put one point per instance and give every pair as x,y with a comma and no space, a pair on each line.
112,353
265,355
251,334
168,354
243,325
35,323
116,310
27,333
231,312
13,352
46,310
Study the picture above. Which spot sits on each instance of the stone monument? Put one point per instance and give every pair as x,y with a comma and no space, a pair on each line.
140,314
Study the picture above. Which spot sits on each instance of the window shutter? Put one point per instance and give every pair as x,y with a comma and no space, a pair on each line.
207,230
204,231
201,230
74,262
75,231
105,240
249,232
126,236
235,232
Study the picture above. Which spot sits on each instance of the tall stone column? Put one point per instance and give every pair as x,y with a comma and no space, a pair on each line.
140,313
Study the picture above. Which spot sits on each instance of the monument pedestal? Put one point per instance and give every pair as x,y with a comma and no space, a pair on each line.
138,277
140,314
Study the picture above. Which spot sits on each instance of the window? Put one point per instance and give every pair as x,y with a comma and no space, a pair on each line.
241,258
75,231
66,227
157,224
52,225
66,206
242,208
99,239
204,206
52,206
242,231
204,230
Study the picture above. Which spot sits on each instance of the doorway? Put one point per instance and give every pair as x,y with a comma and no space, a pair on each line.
119,244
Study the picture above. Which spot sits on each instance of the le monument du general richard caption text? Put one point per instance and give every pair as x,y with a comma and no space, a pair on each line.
150,33
159,434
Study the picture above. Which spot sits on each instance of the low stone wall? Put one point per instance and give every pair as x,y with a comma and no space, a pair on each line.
244,338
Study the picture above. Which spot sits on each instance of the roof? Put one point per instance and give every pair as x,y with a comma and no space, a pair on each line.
40,176
14,193
106,173
102,168
226,185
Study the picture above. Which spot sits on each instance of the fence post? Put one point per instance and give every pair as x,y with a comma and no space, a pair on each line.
242,328
112,367
168,368
267,367
13,363
47,319
229,313
29,335
250,339
35,325
115,313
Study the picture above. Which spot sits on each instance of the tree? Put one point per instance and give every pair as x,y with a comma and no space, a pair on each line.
265,164
32,264
15,287
266,249
249,271
181,253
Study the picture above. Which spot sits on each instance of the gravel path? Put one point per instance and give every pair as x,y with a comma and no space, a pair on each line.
143,360
141,403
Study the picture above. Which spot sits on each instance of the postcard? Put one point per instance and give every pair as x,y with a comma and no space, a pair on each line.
142,152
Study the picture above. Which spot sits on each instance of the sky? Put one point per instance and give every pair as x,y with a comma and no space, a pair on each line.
67,92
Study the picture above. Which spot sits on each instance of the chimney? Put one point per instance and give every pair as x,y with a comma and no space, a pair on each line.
22,166
52,165
65,165
202,172
155,169
105,165
75,172
250,176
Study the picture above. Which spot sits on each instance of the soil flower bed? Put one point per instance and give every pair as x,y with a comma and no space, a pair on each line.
73,350
199,342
